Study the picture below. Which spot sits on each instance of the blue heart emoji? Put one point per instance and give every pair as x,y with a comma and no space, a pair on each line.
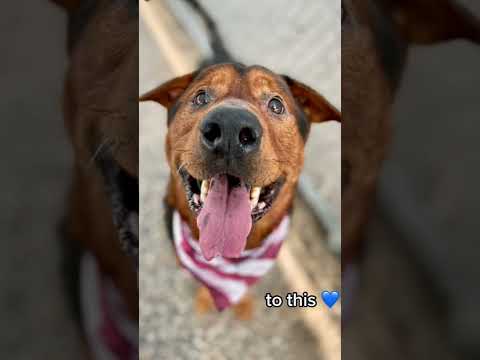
330,298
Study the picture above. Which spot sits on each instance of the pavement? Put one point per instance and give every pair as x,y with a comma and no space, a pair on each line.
169,326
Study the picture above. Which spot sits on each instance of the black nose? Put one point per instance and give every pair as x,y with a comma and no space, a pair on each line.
231,132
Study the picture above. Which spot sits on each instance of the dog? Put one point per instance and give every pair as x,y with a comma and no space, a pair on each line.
101,119
235,148
376,37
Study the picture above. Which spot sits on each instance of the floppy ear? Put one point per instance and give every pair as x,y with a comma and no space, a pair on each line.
168,93
315,106
430,21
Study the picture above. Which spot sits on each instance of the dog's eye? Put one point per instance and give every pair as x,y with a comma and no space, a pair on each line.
202,98
275,105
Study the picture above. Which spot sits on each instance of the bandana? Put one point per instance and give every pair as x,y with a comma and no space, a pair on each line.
111,335
227,279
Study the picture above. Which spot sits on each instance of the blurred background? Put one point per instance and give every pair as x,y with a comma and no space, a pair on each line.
419,288
36,321
286,38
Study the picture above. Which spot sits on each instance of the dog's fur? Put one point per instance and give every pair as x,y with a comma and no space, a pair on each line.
405,312
101,118
376,36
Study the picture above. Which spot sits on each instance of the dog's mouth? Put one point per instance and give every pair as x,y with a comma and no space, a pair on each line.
122,189
226,207
261,199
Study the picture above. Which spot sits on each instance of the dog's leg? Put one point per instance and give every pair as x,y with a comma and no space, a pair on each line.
203,301
204,304
244,309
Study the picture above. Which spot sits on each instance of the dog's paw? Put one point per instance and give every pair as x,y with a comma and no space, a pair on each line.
244,309
203,301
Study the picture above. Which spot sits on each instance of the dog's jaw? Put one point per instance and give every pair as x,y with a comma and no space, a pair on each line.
122,188
262,198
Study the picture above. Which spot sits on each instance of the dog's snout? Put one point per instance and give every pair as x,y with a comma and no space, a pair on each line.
231,132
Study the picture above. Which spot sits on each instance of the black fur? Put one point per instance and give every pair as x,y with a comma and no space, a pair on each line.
392,47
168,219
78,20
303,123
220,52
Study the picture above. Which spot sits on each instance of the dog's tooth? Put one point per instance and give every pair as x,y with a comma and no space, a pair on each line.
261,205
254,196
255,193
196,199
204,190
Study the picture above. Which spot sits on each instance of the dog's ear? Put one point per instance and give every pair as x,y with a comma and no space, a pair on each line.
431,21
315,106
168,93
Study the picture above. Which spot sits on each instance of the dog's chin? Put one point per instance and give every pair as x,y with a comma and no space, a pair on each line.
261,198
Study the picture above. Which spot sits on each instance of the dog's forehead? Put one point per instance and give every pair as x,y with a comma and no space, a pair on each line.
255,77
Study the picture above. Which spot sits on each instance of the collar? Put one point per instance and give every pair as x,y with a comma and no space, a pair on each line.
227,279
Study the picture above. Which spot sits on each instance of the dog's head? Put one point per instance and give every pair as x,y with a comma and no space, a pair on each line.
101,116
235,147
376,35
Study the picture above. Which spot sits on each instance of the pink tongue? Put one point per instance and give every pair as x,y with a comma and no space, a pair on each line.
224,220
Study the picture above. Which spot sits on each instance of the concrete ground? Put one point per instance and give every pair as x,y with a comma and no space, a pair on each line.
169,326
36,321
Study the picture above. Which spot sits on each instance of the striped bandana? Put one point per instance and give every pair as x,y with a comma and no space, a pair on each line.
227,279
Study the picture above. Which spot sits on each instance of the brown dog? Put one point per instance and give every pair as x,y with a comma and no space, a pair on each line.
235,144
376,36
101,117
375,40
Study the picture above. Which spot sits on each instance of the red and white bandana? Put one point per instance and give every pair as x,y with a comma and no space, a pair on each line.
111,334
227,279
